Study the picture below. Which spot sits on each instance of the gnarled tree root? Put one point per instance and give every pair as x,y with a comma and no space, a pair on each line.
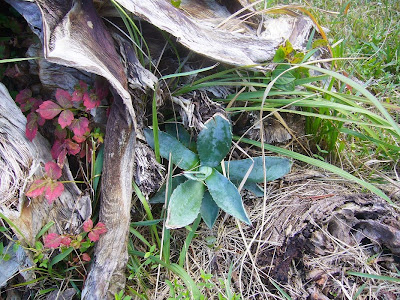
106,276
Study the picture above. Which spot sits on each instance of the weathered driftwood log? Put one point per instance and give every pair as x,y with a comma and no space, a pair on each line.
21,162
107,273
210,29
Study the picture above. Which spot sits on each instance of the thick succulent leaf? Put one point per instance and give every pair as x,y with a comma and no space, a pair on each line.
200,175
181,156
209,210
178,131
184,205
226,196
254,188
159,197
275,167
214,141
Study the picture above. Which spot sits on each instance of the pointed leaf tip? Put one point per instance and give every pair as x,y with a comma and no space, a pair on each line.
181,156
214,141
226,196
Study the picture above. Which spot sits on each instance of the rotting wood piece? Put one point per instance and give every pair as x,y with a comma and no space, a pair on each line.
107,274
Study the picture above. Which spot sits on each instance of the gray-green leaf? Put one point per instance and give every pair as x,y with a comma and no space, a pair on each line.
181,156
214,141
275,167
159,197
226,196
184,205
209,210
181,134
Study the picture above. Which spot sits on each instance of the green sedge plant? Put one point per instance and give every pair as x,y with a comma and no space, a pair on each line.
205,190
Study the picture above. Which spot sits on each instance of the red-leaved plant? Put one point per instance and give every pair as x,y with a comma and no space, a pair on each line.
72,128
48,185
54,240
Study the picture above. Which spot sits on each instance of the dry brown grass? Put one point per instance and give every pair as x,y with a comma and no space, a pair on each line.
277,248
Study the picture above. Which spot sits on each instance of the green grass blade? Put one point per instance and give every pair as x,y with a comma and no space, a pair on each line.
359,291
60,257
306,113
320,164
188,240
155,126
9,222
178,270
44,229
147,223
98,167
139,236
283,293
368,138
189,73
362,90
373,276
11,60
148,212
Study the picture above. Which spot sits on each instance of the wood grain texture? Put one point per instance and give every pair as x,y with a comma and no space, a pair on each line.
202,37
107,276
75,36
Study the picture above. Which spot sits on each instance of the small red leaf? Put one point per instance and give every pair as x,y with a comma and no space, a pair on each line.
91,101
80,126
53,191
80,89
59,151
65,241
93,236
40,120
86,257
23,96
53,171
77,96
52,240
63,98
73,148
100,228
37,188
65,118
31,126
60,133
48,109
35,103
87,225
79,139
